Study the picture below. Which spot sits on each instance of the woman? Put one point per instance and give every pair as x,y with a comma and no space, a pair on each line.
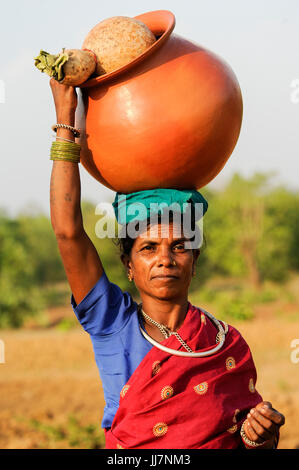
198,391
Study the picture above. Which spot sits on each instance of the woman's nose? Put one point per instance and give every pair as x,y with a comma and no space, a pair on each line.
165,258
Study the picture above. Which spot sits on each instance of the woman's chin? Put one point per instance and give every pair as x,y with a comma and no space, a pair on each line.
167,293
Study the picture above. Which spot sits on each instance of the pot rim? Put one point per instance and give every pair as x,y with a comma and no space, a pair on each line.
158,21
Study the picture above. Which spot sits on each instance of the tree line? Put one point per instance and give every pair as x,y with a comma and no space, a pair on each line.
251,232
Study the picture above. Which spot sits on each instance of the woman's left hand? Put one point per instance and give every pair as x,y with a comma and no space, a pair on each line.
263,423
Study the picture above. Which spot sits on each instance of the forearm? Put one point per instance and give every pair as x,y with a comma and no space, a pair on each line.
66,216
65,192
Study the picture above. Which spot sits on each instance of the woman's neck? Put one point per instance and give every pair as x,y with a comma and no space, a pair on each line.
168,313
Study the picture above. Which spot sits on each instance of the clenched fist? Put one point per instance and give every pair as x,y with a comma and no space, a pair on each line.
262,425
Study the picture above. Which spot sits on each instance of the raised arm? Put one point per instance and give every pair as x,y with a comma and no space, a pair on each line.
81,261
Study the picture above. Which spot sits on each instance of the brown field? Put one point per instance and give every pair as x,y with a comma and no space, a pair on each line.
51,395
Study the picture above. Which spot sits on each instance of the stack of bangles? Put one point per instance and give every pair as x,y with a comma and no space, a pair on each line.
66,150
251,444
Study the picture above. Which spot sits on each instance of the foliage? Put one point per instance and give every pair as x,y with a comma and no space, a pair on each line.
19,295
66,324
228,303
28,260
72,433
40,242
251,231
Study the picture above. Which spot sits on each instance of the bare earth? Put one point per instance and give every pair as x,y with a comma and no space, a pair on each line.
49,375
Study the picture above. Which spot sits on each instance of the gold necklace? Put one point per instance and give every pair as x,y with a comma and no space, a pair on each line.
220,338
166,331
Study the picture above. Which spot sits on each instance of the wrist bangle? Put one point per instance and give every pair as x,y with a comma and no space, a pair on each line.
248,443
75,131
62,138
65,151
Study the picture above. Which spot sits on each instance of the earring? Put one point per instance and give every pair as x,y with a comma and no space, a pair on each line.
130,277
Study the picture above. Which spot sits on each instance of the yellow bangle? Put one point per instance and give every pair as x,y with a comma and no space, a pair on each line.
65,151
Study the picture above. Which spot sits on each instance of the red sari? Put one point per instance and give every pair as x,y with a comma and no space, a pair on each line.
173,402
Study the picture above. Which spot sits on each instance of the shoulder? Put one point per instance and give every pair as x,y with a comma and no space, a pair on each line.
105,309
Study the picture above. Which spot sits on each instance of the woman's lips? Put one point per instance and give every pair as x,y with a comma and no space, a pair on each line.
165,276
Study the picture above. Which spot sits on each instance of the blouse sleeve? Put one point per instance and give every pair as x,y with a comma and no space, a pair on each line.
105,310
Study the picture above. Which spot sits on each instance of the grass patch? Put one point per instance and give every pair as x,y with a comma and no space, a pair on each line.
72,433
66,324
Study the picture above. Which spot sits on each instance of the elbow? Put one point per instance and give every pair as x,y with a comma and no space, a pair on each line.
67,231
66,226
67,235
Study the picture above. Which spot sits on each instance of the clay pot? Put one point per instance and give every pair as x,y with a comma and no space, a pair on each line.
170,118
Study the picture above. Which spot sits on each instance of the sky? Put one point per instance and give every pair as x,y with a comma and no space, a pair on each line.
259,39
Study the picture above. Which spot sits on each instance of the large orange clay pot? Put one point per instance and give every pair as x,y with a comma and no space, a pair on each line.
170,118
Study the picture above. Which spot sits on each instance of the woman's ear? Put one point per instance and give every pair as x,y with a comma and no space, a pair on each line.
127,264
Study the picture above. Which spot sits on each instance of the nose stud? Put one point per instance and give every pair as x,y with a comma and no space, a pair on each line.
173,263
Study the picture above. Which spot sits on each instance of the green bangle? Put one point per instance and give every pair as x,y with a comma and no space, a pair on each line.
65,159
65,151
65,145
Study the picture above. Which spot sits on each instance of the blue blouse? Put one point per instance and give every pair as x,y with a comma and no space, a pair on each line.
110,317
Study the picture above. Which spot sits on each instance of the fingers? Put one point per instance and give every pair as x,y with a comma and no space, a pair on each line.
65,98
52,82
263,420
264,403
60,86
251,433
261,426
265,408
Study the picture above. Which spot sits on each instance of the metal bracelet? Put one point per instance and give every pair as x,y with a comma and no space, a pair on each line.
75,131
62,138
247,441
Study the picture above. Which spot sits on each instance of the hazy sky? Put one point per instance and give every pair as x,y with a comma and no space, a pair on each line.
259,39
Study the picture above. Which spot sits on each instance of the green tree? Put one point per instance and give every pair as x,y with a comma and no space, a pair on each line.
19,295
252,230
40,243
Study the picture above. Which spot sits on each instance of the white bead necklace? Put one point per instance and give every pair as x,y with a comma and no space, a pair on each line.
220,337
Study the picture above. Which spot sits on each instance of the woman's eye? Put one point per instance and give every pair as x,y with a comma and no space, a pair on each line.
180,246
148,248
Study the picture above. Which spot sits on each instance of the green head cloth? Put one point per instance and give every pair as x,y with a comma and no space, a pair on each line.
141,204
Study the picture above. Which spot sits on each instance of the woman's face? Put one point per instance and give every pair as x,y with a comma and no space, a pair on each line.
160,264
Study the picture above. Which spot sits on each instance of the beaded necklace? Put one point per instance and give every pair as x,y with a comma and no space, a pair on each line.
220,337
